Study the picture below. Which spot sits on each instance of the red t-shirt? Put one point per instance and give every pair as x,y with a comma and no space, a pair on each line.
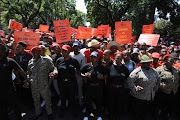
87,53
151,65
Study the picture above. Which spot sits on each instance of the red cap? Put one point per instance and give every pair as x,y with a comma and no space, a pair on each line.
66,47
35,48
155,55
168,55
118,53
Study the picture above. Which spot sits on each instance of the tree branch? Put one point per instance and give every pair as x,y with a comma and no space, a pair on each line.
36,13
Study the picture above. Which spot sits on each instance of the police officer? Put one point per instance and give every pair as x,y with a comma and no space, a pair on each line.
168,87
38,71
144,81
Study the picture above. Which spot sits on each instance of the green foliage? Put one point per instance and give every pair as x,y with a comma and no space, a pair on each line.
140,12
31,13
23,11
165,27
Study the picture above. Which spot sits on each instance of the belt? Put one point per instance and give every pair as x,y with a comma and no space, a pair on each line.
117,86
66,80
94,84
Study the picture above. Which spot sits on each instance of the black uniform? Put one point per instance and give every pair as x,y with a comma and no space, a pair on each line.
66,79
94,87
7,65
118,92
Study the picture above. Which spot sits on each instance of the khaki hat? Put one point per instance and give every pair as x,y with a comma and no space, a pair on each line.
93,43
113,43
145,58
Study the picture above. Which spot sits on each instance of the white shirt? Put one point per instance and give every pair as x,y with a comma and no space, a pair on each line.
80,58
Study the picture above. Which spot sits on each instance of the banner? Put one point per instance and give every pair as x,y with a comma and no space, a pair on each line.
44,28
30,38
102,30
123,32
15,25
84,33
149,39
148,29
62,31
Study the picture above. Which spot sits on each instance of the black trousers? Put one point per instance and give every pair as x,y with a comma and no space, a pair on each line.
94,94
67,92
118,100
168,104
142,109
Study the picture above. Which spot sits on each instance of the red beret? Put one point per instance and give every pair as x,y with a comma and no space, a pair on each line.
66,47
118,53
35,48
168,55
155,55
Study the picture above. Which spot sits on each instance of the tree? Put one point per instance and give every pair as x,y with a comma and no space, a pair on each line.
141,12
23,11
31,13
165,27
59,10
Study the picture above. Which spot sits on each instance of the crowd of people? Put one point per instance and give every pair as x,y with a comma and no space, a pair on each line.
104,78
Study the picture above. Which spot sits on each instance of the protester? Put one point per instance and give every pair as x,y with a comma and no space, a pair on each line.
7,66
118,92
22,58
89,73
96,75
131,65
168,87
93,46
38,71
144,81
114,47
143,50
67,67
155,63
76,54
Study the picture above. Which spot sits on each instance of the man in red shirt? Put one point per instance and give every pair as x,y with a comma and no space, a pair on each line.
93,46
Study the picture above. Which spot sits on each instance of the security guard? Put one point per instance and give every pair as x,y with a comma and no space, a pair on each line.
168,88
38,71
144,81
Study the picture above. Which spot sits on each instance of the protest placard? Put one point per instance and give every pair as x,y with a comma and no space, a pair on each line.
44,28
123,31
149,39
30,38
15,25
62,30
148,29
